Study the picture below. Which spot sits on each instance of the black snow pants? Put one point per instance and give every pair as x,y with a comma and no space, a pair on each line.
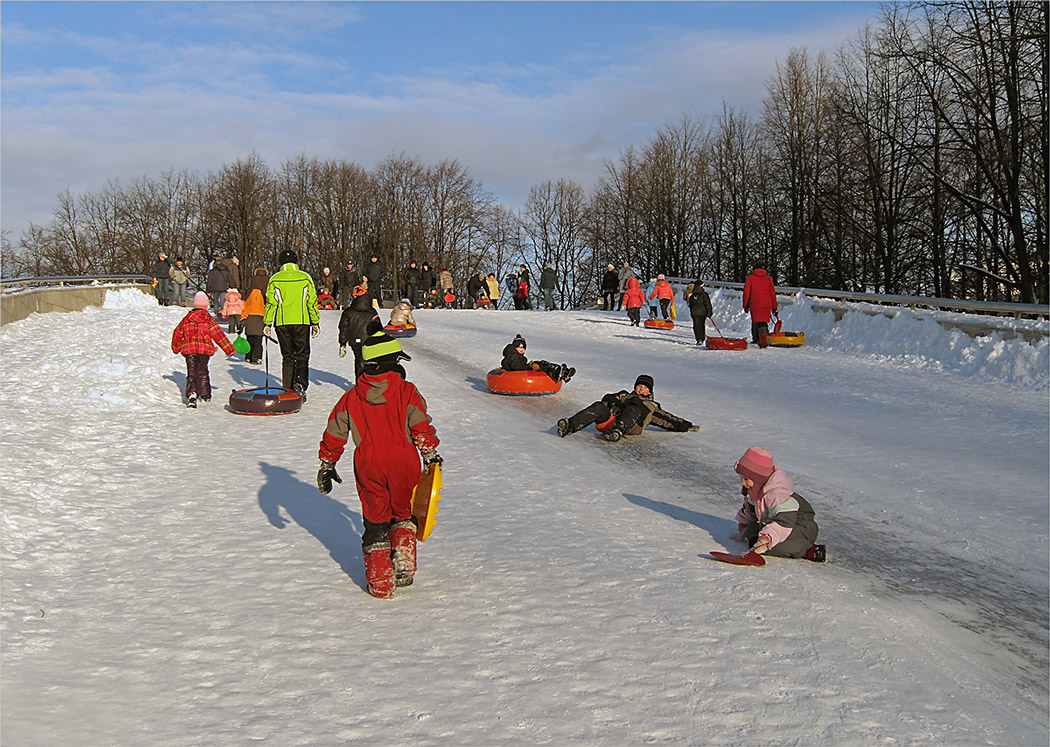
699,327
294,340
599,412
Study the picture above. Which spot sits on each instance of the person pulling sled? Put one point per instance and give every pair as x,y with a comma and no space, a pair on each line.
626,413
514,360
387,418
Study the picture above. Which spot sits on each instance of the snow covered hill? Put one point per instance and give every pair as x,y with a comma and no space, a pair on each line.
173,576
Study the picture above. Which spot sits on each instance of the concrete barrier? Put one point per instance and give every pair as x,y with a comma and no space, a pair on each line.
15,306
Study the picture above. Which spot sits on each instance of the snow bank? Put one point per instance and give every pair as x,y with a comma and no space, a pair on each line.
128,298
906,340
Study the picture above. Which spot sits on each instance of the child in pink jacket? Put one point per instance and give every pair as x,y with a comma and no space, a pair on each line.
774,520
232,309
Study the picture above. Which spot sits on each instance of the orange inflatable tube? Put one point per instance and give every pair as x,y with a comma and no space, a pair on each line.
521,383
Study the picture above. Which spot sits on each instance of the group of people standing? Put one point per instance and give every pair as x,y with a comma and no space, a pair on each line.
622,288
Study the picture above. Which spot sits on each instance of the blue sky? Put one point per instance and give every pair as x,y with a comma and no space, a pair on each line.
518,92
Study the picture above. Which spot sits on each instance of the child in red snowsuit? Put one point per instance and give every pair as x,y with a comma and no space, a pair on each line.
387,418
195,338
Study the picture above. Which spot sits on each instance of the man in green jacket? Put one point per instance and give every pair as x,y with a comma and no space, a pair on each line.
291,307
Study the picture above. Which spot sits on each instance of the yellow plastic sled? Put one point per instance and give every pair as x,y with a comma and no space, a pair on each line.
425,501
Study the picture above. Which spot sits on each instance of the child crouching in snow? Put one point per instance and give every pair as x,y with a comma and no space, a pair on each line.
387,417
514,360
774,520
195,338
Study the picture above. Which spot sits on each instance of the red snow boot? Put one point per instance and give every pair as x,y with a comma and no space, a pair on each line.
403,551
379,571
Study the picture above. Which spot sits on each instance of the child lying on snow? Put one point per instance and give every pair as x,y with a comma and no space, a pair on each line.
514,360
774,520
623,413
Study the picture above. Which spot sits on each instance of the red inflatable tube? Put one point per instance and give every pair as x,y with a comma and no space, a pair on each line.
726,343
658,324
265,401
521,383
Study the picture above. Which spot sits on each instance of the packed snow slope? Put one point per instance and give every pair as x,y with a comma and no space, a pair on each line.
173,576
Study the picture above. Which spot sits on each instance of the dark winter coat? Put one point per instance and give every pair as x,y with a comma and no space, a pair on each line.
610,281
760,297
349,278
700,302
374,271
653,414
413,277
162,269
548,278
234,268
219,278
474,286
355,319
427,279
513,360
260,279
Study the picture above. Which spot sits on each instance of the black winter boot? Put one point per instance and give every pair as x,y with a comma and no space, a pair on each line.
615,434
564,428
567,373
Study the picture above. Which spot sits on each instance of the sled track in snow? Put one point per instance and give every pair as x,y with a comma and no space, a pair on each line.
993,599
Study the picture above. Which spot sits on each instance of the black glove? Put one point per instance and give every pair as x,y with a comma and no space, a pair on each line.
325,475
609,400
430,456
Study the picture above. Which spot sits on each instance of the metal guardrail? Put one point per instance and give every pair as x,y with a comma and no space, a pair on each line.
17,285
1016,310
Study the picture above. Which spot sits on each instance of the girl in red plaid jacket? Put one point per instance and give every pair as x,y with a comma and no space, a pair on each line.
195,338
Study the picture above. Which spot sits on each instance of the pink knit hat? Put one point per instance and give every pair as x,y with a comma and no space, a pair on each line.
756,464
200,300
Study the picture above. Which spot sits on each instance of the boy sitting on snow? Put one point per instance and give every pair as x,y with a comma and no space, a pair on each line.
387,417
514,360
623,413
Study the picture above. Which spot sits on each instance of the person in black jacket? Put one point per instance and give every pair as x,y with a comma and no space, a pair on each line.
162,279
373,273
349,278
623,413
474,286
610,285
700,309
412,279
427,282
548,282
514,360
353,328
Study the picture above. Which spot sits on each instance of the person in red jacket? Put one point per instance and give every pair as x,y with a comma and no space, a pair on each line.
195,338
663,291
760,300
633,299
387,418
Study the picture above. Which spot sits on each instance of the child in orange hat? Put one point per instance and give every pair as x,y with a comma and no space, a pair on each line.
774,520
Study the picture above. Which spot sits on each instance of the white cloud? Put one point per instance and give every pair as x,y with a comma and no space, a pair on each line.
200,106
